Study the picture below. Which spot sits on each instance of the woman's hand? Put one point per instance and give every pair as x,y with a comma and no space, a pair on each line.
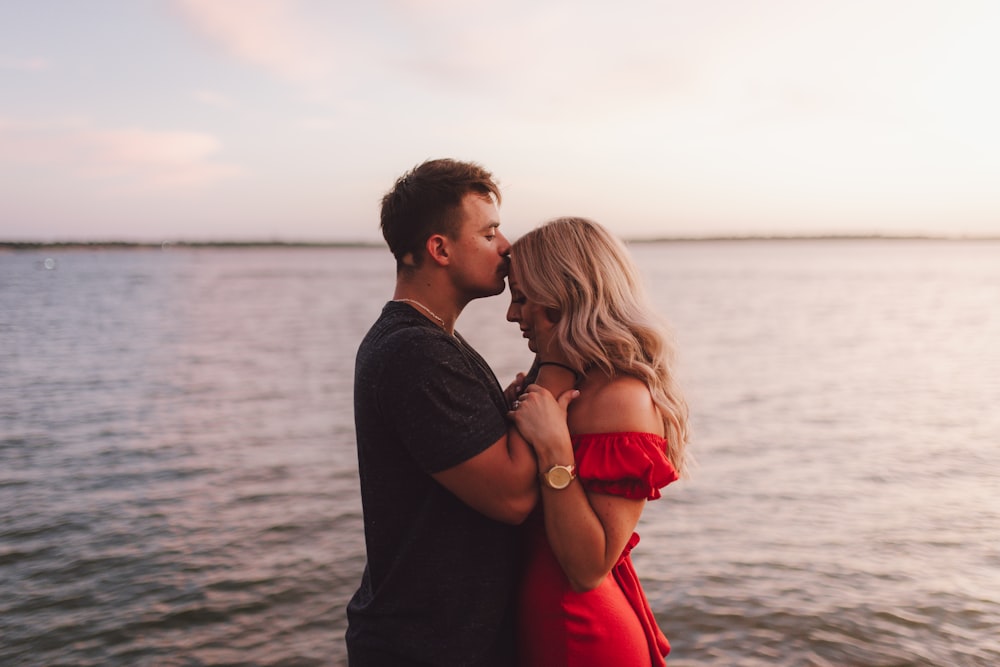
541,419
514,389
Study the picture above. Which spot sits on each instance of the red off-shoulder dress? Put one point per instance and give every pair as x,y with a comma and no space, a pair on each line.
611,625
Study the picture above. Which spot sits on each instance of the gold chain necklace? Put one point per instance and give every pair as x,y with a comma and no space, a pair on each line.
425,309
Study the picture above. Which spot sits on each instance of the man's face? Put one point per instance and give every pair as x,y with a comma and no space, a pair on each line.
479,260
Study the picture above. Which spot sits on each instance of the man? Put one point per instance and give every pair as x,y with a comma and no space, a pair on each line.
443,484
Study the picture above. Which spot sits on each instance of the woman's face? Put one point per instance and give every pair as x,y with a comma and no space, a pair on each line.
531,317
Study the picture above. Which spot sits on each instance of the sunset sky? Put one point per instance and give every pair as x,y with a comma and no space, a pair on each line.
287,120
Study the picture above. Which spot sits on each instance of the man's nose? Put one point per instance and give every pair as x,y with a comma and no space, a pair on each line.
504,246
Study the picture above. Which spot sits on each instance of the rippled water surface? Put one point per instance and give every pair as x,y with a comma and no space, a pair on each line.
178,478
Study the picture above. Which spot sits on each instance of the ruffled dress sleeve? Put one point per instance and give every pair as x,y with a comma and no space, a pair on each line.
631,465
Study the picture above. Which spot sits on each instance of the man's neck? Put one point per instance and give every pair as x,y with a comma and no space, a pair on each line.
434,301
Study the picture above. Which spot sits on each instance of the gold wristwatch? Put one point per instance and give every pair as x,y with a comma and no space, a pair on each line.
559,477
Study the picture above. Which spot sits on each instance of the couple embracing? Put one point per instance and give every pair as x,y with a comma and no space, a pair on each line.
498,523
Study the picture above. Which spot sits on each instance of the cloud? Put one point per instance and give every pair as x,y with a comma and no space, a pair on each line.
529,59
271,34
119,161
214,99
35,64
317,123
536,61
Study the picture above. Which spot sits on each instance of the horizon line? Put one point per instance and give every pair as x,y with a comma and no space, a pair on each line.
273,243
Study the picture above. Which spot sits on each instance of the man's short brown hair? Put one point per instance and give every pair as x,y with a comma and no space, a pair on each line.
426,201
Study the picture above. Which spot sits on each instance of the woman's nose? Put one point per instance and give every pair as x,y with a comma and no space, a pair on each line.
512,313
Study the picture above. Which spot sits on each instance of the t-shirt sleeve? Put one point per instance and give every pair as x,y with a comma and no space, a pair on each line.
632,465
442,405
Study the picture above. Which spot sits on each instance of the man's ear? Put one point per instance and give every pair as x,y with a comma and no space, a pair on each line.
438,249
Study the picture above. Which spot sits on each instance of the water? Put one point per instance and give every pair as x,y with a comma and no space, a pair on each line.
178,478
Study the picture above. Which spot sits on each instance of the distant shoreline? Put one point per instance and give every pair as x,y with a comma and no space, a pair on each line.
167,245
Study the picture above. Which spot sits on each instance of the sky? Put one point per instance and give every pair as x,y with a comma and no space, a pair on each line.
268,120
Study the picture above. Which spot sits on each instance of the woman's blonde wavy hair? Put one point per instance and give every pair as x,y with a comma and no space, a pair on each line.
577,268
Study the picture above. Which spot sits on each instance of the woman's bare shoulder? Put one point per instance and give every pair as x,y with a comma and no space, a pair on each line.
616,405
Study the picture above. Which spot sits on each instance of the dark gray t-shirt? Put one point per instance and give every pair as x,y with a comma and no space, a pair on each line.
439,583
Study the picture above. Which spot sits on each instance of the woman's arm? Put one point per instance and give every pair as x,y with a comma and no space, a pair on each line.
587,531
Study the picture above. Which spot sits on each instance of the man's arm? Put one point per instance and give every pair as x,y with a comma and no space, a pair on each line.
502,481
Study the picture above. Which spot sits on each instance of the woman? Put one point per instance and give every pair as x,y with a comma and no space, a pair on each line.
578,300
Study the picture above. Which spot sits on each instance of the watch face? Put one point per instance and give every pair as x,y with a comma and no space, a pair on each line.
559,477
